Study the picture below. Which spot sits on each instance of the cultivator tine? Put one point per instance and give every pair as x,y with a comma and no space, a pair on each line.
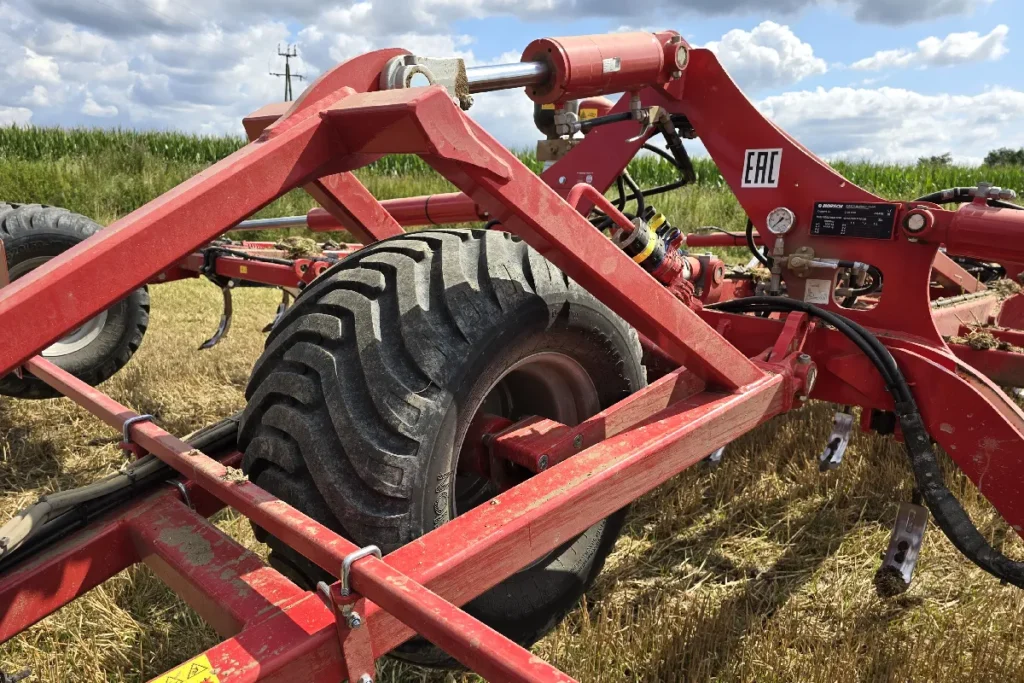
893,577
225,319
838,440
281,308
14,678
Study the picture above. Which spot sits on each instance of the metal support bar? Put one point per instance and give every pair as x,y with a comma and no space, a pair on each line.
464,637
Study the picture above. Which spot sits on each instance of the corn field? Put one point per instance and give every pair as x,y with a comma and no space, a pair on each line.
135,148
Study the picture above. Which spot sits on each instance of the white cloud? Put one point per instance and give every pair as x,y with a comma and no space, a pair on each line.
39,97
893,124
91,108
769,56
202,66
35,67
956,48
10,116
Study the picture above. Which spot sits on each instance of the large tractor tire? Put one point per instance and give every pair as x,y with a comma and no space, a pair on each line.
32,235
359,406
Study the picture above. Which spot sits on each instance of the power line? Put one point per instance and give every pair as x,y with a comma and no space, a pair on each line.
288,54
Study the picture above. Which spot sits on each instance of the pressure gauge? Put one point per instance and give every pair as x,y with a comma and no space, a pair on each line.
781,220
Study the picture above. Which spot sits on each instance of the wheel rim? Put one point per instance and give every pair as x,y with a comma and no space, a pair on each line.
548,384
73,341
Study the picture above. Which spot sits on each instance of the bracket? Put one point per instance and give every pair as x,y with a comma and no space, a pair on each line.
349,611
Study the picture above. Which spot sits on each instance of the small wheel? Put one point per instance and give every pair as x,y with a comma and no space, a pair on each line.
359,408
34,234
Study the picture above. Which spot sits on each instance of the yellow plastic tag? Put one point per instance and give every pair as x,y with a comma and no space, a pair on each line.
547,106
198,670
588,113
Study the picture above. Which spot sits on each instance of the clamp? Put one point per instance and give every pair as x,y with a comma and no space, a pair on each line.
127,445
346,565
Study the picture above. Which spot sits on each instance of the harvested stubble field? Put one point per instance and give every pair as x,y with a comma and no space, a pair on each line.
758,571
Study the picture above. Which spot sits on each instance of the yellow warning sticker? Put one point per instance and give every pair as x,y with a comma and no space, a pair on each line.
587,113
243,269
547,106
198,670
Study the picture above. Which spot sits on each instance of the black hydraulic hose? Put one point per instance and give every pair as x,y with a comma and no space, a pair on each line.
662,153
766,261
949,514
218,440
962,195
675,145
586,126
638,194
876,284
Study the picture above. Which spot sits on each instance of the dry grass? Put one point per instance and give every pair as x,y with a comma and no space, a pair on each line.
760,570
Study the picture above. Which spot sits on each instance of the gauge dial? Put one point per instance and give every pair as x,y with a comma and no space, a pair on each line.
781,221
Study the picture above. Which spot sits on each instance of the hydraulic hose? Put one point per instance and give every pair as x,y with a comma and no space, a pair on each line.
962,195
766,261
56,515
949,514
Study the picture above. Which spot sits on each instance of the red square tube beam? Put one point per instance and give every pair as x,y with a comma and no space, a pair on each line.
425,121
492,542
71,288
227,585
468,640
40,586
487,543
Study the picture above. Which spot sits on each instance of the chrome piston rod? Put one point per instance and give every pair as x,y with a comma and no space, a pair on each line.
272,223
506,76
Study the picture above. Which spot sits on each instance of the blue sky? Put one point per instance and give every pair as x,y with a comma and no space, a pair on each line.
875,79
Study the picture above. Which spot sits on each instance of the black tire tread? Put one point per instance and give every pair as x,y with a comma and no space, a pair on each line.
20,220
367,352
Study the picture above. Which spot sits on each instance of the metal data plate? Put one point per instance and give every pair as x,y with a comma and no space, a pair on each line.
854,219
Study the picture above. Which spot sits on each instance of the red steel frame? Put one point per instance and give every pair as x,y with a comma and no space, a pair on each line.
734,373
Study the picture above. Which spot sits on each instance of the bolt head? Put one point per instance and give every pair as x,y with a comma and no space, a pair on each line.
366,678
354,620
682,57
577,442
542,464
561,180
803,359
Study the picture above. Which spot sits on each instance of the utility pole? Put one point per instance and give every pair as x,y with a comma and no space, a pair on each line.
289,52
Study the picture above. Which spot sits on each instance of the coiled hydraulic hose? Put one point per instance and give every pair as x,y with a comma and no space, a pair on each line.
949,514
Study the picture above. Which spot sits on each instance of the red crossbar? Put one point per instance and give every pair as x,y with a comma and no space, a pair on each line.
285,634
